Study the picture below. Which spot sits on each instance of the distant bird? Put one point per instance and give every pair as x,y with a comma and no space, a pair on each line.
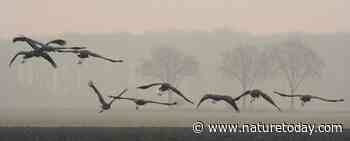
86,54
36,45
165,87
256,93
307,98
31,54
215,98
142,102
104,104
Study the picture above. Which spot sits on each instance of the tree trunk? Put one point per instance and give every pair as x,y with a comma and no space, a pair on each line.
30,74
21,76
78,78
170,93
244,103
244,100
170,98
292,106
54,87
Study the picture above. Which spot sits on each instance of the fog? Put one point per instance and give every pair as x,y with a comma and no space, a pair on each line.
31,87
36,93
263,17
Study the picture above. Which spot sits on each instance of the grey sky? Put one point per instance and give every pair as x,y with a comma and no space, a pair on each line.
54,17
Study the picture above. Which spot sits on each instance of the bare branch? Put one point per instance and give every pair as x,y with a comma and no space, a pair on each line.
296,61
168,64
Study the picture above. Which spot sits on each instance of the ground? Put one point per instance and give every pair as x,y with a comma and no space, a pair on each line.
161,118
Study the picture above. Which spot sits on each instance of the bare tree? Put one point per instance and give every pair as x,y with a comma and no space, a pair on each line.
169,65
297,63
247,63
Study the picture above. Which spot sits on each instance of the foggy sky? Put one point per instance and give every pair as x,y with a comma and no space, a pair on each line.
84,16
86,21
28,95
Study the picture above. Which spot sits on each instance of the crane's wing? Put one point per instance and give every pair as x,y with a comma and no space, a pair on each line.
204,98
287,95
232,102
48,58
115,97
57,42
269,99
110,102
148,86
35,42
27,40
243,94
100,98
328,100
14,57
180,94
121,93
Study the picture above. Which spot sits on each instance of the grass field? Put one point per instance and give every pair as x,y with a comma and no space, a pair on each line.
86,125
161,118
151,134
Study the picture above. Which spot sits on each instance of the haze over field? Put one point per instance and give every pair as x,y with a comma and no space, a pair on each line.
130,29
53,17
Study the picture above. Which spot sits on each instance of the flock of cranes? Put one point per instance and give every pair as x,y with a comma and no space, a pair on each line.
58,46
42,50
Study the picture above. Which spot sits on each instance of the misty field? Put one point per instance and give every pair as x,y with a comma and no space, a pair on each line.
157,124
162,117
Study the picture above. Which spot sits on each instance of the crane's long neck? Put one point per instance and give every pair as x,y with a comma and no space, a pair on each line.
125,98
